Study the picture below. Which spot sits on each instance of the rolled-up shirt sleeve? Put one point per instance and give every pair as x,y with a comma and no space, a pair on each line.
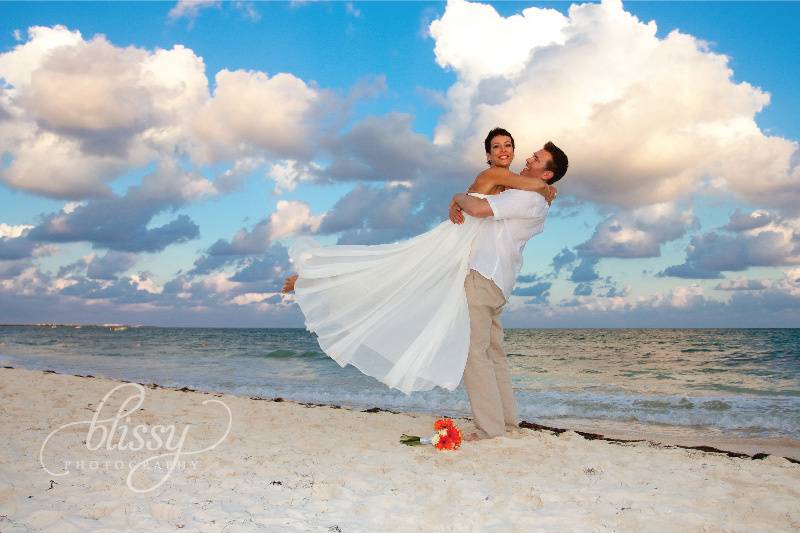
515,203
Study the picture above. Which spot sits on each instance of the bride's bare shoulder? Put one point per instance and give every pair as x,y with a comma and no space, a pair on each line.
487,181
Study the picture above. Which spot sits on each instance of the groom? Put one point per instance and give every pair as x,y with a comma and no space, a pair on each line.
494,263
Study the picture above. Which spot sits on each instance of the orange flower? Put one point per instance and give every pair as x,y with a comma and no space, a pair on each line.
454,435
443,423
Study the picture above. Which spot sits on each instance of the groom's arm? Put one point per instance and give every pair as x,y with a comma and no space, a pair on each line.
514,203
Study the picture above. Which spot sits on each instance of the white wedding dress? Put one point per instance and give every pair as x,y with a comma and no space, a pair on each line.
397,312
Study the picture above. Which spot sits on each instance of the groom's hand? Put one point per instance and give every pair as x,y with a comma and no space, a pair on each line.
456,216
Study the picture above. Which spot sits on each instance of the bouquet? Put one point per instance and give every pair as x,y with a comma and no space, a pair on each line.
447,437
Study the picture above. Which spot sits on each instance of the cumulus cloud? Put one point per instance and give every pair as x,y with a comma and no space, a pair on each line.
741,221
585,271
631,234
760,239
13,248
582,289
742,285
12,232
638,233
412,180
385,149
110,265
645,120
563,259
10,269
87,111
288,173
122,222
254,250
517,36
83,112
291,218
372,215
251,112
537,293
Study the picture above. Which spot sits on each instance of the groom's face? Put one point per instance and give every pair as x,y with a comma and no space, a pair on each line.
536,164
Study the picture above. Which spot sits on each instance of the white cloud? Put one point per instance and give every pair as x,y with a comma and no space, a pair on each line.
17,66
170,183
288,173
84,112
218,283
12,232
146,284
251,297
252,112
644,119
292,217
55,166
792,275
69,207
478,43
29,282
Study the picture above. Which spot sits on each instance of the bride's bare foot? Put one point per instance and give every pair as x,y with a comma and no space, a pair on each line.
288,285
472,437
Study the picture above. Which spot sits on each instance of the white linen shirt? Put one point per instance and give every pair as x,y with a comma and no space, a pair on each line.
497,250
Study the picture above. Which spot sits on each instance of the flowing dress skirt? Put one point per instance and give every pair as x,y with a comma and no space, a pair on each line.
397,312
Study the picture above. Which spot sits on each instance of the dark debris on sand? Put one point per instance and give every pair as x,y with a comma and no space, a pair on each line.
596,436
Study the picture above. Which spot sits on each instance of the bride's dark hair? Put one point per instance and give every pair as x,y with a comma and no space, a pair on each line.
487,144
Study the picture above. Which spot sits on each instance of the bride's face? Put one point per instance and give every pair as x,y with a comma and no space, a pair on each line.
502,151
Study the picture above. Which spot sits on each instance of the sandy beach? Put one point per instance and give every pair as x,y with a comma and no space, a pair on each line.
247,464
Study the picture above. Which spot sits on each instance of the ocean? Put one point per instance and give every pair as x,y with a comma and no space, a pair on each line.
741,382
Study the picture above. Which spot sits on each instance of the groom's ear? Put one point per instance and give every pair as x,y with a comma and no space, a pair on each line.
547,175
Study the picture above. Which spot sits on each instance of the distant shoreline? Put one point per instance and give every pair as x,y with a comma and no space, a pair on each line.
139,326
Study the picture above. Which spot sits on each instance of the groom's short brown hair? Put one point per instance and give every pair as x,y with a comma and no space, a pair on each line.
558,163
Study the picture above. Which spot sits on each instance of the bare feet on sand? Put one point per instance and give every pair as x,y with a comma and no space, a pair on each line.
472,437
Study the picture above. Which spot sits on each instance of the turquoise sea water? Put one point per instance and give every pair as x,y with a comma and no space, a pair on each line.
745,382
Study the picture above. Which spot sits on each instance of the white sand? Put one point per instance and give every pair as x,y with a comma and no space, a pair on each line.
288,467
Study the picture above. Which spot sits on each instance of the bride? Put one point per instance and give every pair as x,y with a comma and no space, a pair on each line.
398,312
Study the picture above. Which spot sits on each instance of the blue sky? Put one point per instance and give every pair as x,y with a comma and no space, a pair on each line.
158,158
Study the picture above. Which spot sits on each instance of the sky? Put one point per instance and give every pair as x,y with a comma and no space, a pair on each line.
158,159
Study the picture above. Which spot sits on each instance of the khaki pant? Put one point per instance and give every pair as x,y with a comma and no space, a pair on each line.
486,375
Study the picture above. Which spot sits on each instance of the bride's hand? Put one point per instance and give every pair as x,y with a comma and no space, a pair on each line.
552,192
